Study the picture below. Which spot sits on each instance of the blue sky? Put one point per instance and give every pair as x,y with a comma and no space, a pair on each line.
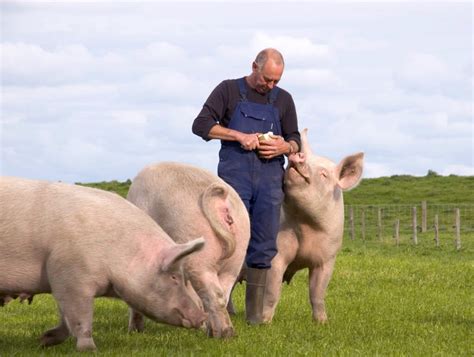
94,91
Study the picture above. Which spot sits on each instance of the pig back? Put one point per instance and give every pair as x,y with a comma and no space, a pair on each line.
188,201
41,220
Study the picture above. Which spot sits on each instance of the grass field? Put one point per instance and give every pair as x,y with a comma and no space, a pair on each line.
382,300
405,189
397,189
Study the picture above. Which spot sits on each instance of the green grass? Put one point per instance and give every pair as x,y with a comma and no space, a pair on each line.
398,189
404,189
382,300
114,186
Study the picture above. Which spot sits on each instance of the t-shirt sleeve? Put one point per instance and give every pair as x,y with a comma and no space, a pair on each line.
289,122
212,111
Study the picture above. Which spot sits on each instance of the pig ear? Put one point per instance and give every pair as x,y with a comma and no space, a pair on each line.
349,171
304,143
179,251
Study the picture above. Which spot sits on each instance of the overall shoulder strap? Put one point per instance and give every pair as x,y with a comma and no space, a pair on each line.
273,95
242,89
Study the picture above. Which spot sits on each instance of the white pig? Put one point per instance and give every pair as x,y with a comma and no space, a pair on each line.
186,201
312,224
79,243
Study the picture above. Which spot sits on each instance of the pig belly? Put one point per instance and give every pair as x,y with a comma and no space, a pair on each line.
31,278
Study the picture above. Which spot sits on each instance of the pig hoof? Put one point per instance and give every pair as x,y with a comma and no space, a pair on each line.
204,327
136,322
140,327
321,318
209,331
5,300
267,318
53,337
85,344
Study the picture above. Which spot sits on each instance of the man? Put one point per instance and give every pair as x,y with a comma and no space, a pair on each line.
237,112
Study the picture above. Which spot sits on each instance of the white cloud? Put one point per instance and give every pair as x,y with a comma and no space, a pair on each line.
347,42
312,79
296,50
372,169
26,62
130,117
165,83
30,64
427,73
163,54
461,170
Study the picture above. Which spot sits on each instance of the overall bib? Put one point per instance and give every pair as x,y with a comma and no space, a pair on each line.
259,182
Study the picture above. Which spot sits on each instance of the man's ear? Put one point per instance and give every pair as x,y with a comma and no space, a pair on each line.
254,66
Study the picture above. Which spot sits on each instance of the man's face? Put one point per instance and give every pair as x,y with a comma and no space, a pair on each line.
268,76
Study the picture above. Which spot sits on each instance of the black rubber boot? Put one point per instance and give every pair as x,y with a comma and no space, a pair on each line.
254,294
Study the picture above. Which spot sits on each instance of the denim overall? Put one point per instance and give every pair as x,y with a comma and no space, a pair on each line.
259,182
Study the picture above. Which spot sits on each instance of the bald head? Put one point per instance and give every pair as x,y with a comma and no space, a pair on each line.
267,70
269,53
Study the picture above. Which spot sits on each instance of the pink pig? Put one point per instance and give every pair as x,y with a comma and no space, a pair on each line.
312,224
188,201
78,243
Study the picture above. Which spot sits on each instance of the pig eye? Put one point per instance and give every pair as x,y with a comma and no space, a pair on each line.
324,174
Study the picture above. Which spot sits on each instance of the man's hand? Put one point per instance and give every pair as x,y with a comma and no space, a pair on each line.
268,149
248,141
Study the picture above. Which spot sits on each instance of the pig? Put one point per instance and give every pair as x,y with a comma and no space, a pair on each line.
5,299
78,243
311,224
186,201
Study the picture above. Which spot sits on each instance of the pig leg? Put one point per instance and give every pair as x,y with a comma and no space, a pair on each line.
319,277
273,288
230,306
230,303
240,278
228,283
56,335
136,321
214,300
5,300
78,309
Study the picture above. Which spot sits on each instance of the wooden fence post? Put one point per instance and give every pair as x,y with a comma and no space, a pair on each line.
397,231
423,216
379,223
458,229
436,229
363,224
415,238
351,221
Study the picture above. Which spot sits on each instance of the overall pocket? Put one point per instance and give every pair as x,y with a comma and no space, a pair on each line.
251,118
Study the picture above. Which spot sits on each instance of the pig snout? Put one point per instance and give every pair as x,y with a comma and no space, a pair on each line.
297,158
297,166
192,317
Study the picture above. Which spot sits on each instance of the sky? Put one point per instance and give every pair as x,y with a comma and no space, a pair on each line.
94,91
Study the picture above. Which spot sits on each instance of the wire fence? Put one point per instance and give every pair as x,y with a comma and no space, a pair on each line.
409,222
